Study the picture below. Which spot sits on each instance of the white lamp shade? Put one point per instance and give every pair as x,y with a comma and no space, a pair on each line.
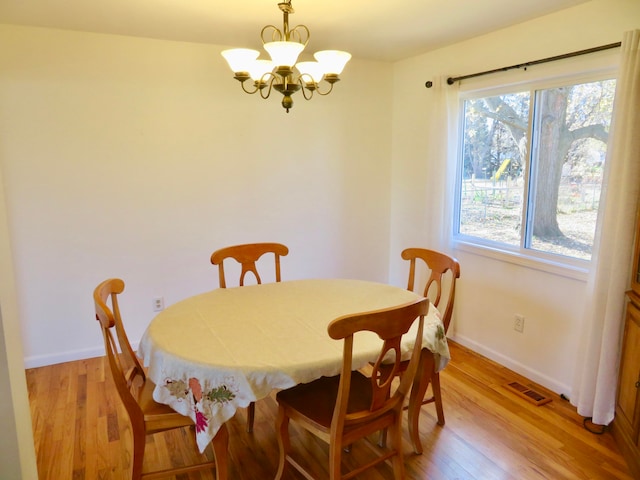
284,53
240,59
332,61
312,69
259,67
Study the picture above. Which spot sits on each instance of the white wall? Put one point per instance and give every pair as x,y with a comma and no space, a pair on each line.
137,158
491,290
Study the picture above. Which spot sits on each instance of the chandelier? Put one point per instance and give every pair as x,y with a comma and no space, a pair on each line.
282,73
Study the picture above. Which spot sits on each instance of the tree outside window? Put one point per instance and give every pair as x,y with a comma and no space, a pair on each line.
532,168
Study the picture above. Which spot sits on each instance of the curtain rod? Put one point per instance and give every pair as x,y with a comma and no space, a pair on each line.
452,80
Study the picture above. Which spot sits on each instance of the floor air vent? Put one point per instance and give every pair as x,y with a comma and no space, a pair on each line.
528,394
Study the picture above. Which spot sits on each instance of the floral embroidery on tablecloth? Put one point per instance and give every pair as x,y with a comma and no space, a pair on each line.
202,402
437,342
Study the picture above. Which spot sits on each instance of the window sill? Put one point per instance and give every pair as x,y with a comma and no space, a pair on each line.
575,269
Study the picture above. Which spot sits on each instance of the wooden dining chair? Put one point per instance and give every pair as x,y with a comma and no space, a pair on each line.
441,271
247,255
351,406
136,390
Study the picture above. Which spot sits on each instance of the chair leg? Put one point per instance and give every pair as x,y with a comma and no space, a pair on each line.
435,386
251,413
139,444
382,439
284,444
220,445
419,388
335,459
397,460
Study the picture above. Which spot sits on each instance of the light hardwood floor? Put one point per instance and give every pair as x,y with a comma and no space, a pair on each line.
81,432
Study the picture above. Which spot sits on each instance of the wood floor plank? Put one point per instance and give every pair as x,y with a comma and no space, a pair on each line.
561,428
81,432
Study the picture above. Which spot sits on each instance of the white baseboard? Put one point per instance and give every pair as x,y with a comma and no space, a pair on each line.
44,360
511,364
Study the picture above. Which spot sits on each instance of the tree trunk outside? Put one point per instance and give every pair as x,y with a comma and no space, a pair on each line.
551,151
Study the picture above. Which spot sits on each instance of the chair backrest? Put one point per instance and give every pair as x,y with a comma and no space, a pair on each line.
441,284
247,255
128,374
390,324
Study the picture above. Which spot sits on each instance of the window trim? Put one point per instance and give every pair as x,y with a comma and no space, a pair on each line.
575,268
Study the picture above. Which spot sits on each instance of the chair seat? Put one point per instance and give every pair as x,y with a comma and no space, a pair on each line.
157,416
316,400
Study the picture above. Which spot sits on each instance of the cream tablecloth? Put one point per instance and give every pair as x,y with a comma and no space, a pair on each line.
216,352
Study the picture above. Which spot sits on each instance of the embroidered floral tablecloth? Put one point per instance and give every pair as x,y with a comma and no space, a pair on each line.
216,352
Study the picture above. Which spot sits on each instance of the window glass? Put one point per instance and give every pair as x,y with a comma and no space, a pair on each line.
494,161
532,168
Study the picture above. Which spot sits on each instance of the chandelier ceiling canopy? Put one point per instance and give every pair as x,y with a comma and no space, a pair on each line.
283,72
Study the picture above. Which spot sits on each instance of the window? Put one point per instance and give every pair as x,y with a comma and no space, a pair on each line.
531,169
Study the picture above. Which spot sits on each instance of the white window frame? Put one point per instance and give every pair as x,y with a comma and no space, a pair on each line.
556,76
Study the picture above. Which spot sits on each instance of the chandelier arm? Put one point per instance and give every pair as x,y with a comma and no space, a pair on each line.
327,92
297,36
306,89
276,34
250,92
270,82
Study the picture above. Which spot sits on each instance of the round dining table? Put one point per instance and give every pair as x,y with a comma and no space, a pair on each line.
218,351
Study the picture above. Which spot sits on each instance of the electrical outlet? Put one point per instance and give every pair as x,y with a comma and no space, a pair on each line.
158,304
518,324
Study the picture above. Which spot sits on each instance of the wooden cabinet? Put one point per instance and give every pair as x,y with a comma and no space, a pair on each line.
626,425
629,383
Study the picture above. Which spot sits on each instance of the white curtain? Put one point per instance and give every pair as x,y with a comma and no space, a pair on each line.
443,128
597,370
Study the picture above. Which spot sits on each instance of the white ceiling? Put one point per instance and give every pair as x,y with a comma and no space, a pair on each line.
370,29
